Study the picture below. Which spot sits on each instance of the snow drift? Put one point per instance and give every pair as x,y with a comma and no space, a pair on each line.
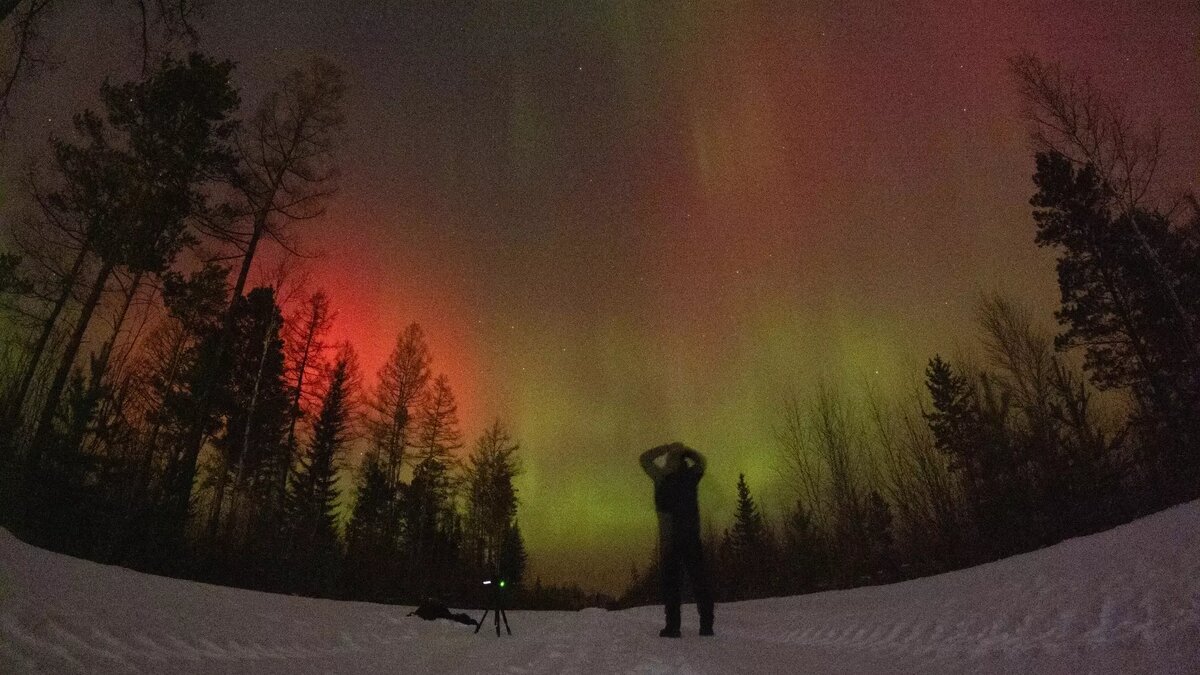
1126,600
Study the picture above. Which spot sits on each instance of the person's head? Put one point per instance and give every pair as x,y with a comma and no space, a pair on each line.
680,456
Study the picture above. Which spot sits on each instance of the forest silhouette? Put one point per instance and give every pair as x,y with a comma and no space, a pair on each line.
214,446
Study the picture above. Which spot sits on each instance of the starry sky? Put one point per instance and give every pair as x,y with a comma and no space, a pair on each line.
627,223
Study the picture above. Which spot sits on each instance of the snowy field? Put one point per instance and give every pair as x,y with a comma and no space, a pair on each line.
1126,601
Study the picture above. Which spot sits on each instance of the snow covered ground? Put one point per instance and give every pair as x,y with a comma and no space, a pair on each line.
1127,600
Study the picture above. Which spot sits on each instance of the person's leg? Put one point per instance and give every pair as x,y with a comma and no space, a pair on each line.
670,575
698,573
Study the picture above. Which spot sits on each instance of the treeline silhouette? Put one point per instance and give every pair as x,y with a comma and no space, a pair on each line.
159,413
1029,445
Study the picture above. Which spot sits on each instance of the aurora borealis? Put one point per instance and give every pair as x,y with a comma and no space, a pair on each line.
627,223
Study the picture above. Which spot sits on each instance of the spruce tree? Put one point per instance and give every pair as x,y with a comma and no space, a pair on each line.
427,510
972,425
747,549
749,530
313,492
954,420
371,569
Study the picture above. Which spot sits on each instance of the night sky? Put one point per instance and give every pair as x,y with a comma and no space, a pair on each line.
627,223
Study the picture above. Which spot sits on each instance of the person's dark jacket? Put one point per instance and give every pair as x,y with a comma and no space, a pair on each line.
675,486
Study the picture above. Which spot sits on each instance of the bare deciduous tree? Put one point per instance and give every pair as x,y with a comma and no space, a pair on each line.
287,167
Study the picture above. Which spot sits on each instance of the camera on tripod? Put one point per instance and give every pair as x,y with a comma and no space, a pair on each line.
496,606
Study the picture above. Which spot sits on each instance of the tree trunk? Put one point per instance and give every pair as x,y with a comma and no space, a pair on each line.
181,474
106,352
50,406
294,413
214,517
39,348
240,476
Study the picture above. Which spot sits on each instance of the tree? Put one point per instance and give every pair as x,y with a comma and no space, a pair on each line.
431,525
1112,300
47,243
371,569
10,280
437,434
305,349
284,173
970,423
313,492
402,384
749,563
1073,120
286,169
882,565
512,557
749,530
23,52
253,404
804,552
11,283
138,180
168,365
492,497
1068,457
1142,260
428,525
955,416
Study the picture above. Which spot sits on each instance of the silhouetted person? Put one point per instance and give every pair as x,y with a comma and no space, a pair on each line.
675,484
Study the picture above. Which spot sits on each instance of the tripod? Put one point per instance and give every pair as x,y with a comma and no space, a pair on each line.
497,608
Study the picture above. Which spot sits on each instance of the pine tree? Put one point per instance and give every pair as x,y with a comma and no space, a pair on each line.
136,181
284,173
313,492
1129,283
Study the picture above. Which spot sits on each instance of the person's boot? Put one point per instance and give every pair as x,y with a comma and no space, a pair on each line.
706,620
672,628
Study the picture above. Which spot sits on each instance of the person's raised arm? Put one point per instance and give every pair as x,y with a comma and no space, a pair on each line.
647,460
